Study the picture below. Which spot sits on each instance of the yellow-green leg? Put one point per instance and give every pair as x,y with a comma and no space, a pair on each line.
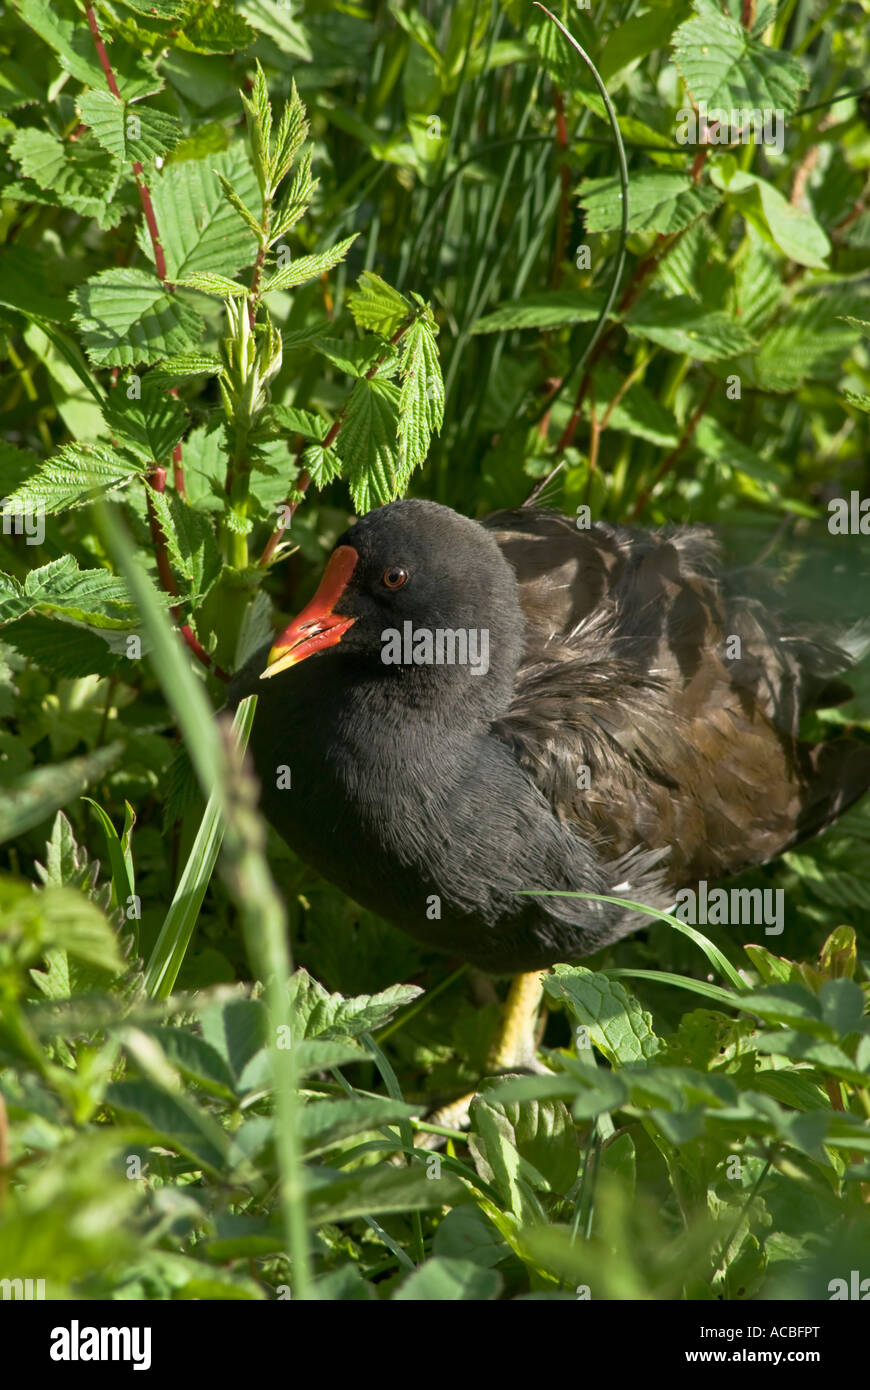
514,1048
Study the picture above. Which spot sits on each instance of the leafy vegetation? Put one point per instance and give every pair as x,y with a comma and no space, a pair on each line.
258,271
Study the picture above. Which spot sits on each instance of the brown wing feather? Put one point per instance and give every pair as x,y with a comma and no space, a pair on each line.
629,672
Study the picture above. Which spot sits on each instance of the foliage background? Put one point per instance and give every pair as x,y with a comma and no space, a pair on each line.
460,158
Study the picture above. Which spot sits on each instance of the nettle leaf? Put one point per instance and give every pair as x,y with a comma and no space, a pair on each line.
130,133
59,23
190,541
210,28
82,175
295,200
150,424
306,268
793,230
92,596
76,475
729,68
321,465
208,283
126,317
367,443
199,230
549,309
661,201
683,326
421,399
351,355
183,366
614,1019
810,343
317,1013
376,306
291,420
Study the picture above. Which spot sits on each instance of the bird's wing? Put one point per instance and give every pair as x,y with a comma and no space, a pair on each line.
654,707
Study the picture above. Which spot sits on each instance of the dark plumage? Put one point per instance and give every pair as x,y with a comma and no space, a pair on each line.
608,650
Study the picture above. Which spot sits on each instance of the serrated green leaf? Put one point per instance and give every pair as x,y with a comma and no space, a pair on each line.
367,443
60,24
730,69
75,476
319,1014
421,399
615,1021
683,326
190,542
126,317
82,175
149,424
209,283
325,1123
130,133
306,268
661,201
376,306
173,1120
199,229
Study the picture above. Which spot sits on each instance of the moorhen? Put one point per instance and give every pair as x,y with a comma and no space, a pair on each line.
470,710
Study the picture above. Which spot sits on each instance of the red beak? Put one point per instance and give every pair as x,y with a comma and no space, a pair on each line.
316,627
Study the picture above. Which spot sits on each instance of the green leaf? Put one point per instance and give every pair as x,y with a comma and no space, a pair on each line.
367,443
183,366
199,230
196,1059
190,542
208,283
61,25
443,1280
793,230
81,176
325,1123
306,268
64,648
317,1013
811,342
661,201
130,133
29,282
729,68
149,423
549,309
75,476
421,399
383,1189
615,1021
376,306
126,317
683,326
173,1121
38,794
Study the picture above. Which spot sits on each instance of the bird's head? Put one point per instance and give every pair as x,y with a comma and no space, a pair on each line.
419,594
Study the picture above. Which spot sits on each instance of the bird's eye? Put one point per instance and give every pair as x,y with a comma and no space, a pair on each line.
394,577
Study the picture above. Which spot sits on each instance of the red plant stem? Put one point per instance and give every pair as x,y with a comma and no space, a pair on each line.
254,296
668,463
144,193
